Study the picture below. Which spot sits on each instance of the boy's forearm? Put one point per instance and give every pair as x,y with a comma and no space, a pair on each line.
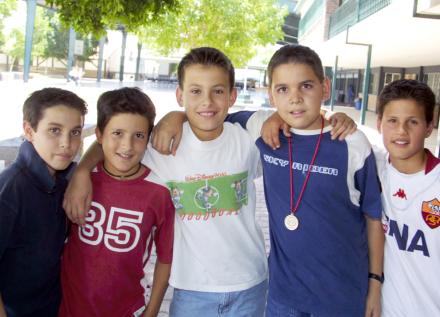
92,157
160,285
2,308
376,240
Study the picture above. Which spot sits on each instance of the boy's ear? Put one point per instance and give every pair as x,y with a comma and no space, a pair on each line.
326,86
378,124
98,135
272,104
179,96
232,97
28,131
429,129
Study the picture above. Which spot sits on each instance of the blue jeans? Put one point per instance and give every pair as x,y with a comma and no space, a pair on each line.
250,302
274,309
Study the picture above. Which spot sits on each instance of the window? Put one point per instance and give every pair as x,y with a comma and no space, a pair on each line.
390,77
433,81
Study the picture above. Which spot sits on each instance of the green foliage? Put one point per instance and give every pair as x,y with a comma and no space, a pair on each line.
235,27
15,40
95,16
14,44
6,7
41,31
58,41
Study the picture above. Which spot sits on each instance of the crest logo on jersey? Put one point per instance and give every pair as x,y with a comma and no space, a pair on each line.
400,194
431,213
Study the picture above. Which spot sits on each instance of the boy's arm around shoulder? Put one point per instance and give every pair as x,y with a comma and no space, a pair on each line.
342,126
78,195
168,132
252,121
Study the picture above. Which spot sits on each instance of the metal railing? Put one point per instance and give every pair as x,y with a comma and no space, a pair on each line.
353,11
315,11
344,16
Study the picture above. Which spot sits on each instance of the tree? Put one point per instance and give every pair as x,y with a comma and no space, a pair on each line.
6,7
58,41
96,16
14,46
235,27
15,40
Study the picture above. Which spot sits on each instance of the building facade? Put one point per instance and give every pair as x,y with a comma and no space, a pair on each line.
402,35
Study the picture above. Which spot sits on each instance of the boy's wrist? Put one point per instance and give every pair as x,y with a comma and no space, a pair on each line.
376,277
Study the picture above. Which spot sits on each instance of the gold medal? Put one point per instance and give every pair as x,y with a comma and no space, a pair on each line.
291,222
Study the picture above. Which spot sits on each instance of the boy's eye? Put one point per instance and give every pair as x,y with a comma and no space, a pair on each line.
116,133
76,132
392,120
219,91
414,122
195,91
54,130
308,86
140,135
282,89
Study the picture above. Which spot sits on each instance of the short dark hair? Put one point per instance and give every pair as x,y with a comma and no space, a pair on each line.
40,100
407,89
125,100
208,56
296,54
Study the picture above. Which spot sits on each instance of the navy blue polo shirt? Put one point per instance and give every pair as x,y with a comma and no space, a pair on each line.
32,234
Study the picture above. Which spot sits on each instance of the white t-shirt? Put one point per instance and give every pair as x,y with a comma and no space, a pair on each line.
411,222
218,245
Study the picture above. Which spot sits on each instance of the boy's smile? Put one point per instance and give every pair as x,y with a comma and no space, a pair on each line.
297,94
206,96
404,129
124,141
57,137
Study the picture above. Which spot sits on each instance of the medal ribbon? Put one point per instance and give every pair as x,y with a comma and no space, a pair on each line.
292,193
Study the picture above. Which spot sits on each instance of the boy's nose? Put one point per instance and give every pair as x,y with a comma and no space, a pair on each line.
65,142
295,101
402,128
207,100
295,98
127,143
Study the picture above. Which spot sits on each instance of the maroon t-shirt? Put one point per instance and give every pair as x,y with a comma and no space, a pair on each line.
103,262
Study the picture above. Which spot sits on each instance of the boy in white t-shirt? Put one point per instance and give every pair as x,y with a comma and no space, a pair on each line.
410,177
219,260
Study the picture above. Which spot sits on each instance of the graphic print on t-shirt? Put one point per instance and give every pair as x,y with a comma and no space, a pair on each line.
118,228
431,213
206,196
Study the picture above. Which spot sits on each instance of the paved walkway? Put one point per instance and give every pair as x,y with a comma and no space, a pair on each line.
15,92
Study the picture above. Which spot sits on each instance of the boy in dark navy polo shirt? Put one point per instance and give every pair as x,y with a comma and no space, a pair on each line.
32,221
